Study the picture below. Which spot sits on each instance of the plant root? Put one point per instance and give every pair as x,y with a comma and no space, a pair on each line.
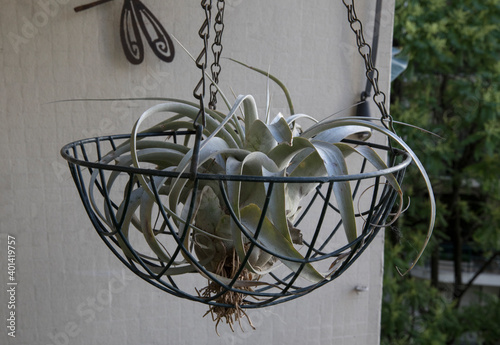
227,268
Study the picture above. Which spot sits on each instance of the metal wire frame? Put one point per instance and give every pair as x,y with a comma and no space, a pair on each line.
85,158
281,286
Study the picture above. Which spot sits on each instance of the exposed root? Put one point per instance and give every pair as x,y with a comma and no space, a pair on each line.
227,268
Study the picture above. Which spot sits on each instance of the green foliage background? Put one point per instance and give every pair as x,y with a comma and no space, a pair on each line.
451,88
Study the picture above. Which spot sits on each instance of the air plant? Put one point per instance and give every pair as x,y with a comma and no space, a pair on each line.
216,220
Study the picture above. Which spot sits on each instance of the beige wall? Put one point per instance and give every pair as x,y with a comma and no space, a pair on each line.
71,289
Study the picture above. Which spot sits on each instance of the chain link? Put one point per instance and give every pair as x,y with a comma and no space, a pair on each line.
364,49
372,73
217,51
202,61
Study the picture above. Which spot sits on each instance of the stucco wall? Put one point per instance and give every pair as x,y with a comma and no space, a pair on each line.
71,289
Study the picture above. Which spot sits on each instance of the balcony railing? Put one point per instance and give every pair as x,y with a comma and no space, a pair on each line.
489,277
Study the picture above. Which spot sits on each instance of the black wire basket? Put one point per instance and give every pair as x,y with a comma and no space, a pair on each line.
249,265
108,188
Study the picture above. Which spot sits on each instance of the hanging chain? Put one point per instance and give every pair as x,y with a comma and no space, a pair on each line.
201,61
372,73
217,51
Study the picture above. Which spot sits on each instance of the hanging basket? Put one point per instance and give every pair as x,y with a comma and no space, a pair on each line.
109,188
237,212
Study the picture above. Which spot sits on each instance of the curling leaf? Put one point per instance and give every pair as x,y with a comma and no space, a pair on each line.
273,240
336,166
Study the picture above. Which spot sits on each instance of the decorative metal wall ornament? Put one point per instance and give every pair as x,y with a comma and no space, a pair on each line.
137,18
252,210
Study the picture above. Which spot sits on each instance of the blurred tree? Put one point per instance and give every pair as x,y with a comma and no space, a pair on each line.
452,88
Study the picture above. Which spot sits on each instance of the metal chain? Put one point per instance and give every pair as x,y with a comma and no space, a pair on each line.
217,51
201,61
372,73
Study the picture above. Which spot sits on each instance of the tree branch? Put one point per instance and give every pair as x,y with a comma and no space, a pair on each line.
478,273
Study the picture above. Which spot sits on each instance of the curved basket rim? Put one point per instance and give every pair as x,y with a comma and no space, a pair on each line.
65,153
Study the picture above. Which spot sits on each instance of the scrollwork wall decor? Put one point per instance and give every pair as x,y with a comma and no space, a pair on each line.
137,19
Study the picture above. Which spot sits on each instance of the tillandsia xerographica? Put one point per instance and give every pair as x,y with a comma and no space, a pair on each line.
216,220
